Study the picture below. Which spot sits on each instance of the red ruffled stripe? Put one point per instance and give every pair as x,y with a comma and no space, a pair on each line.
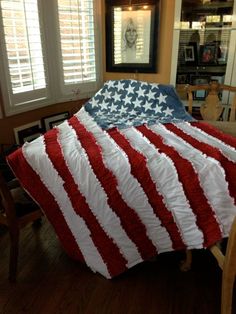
130,221
211,130
109,251
228,165
31,181
140,171
204,215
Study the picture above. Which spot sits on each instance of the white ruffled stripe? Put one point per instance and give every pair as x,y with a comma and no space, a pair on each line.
211,177
165,177
227,150
90,187
129,188
54,183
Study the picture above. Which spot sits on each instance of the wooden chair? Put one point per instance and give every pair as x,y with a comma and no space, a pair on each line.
227,263
17,210
211,108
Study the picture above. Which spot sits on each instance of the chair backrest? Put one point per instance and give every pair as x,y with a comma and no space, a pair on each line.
7,205
17,209
211,108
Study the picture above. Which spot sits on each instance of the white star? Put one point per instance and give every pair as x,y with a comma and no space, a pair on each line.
155,85
100,113
142,115
130,89
94,103
151,95
137,103
129,122
143,84
120,86
116,97
103,105
162,98
158,109
110,84
113,108
147,106
127,100
123,110
122,120
132,112
168,111
107,94
140,92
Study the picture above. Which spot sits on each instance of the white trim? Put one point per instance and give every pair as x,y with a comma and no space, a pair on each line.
174,59
55,91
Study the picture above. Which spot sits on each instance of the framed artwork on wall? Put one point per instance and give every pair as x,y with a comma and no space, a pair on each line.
132,36
28,132
50,121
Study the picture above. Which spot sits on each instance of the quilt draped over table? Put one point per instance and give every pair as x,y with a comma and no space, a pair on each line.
120,190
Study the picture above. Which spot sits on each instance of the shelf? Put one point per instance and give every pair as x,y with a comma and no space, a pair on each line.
202,69
208,6
198,29
226,28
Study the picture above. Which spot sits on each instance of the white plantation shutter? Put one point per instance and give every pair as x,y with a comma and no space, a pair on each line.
23,50
48,52
77,40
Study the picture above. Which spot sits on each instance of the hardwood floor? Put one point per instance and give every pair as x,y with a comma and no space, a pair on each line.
50,282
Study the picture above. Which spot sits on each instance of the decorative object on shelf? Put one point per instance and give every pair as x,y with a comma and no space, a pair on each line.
223,54
208,53
190,53
199,80
131,36
28,132
53,120
182,78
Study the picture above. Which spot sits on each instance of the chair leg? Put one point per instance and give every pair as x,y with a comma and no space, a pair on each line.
229,273
14,250
227,294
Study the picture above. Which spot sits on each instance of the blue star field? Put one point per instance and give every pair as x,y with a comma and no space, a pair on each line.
125,103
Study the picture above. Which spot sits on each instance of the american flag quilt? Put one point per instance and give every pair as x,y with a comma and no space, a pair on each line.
118,192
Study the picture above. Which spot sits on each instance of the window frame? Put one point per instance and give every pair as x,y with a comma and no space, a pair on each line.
55,88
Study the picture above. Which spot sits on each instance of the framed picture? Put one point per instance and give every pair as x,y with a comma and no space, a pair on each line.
219,78
132,36
190,53
182,78
50,121
223,54
208,54
200,80
27,132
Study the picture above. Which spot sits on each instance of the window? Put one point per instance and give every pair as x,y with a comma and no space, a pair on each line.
49,52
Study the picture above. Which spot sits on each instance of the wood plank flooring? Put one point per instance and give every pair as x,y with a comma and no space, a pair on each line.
50,282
